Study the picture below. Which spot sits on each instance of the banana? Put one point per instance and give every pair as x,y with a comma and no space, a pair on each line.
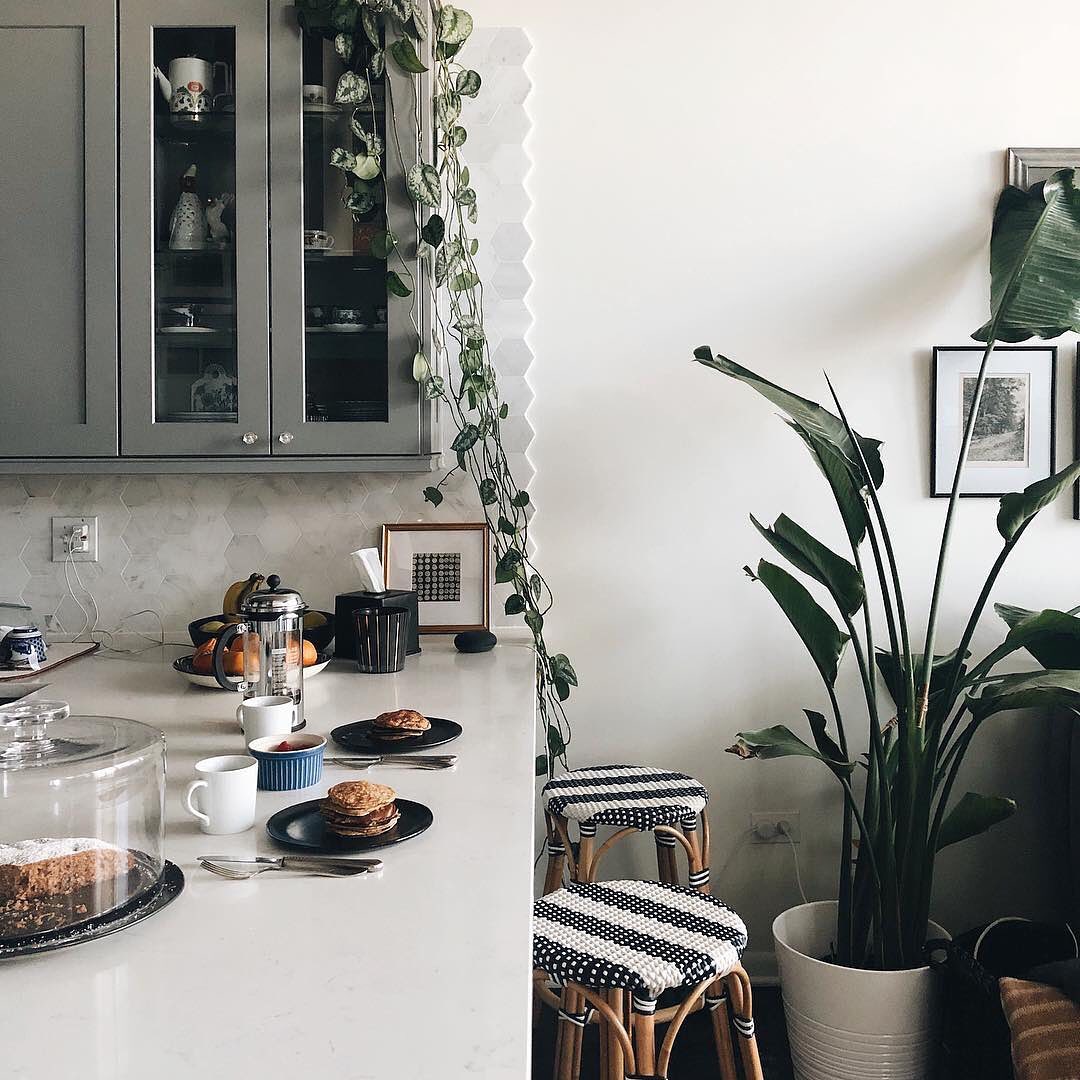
238,592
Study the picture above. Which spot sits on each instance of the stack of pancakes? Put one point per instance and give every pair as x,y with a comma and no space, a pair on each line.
360,808
400,724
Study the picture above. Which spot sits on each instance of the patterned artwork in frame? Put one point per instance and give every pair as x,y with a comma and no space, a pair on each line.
447,566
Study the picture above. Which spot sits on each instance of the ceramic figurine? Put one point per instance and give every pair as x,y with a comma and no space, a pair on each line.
215,208
187,226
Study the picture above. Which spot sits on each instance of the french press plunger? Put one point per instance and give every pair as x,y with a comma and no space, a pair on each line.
273,640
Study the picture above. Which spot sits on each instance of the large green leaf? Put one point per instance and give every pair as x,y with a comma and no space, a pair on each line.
892,671
972,815
846,489
824,641
819,728
1054,650
1028,689
777,742
816,420
1019,507
814,559
1052,637
1035,262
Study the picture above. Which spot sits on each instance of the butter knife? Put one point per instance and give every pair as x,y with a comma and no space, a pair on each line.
295,862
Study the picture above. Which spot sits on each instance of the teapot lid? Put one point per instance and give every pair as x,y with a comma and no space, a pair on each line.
274,600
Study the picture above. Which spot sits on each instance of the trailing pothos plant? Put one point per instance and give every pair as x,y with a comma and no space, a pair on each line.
898,798
411,35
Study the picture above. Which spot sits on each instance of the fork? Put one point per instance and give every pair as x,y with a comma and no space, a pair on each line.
407,761
318,871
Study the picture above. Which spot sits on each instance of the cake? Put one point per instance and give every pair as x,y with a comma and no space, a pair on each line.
359,808
401,724
47,883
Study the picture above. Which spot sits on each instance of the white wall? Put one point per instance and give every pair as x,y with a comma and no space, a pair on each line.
804,186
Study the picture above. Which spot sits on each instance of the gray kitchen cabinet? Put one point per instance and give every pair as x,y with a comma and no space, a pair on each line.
58,303
256,331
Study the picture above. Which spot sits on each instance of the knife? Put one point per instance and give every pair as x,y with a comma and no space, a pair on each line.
295,862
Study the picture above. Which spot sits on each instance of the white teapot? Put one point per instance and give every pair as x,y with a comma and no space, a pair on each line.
189,87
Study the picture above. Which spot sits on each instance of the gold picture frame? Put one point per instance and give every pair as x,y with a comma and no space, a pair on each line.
438,607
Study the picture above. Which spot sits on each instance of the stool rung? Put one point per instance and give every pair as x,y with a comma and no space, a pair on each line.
664,839
577,1019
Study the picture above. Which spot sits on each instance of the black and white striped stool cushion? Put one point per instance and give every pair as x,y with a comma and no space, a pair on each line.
642,936
628,795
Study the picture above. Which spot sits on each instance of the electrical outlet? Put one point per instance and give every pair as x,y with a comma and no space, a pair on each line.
77,535
765,826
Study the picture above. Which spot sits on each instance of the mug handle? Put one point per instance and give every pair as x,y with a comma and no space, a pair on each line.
240,716
191,788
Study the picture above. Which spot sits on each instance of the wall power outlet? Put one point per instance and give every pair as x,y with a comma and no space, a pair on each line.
79,535
766,826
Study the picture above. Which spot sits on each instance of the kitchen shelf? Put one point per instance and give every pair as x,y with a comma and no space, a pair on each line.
215,339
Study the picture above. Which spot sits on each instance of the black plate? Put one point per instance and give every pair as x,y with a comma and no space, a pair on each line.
302,826
360,737
168,887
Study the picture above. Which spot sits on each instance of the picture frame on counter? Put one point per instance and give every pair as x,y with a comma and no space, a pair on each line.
447,565
1013,442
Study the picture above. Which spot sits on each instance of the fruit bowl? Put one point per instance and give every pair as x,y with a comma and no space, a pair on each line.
184,667
320,636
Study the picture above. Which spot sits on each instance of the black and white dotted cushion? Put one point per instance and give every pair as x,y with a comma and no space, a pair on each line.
641,936
627,795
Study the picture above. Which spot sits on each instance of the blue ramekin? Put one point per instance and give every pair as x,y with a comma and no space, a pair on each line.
287,770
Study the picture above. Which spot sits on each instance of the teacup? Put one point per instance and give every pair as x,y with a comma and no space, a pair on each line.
272,714
318,239
226,787
23,647
315,94
346,316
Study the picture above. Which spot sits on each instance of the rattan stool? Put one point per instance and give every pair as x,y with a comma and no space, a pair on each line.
614,947
633,798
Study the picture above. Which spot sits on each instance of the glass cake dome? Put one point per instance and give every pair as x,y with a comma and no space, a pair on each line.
81,816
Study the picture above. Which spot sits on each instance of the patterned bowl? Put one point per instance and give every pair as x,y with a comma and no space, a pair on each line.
287,770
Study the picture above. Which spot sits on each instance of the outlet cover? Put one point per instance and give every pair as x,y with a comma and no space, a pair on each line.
61,535
769,819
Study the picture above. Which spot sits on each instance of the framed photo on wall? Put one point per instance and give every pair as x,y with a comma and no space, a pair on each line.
1013,442
446,565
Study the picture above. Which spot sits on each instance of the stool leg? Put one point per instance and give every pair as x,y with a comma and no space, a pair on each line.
605,1047
721,1025
743,1007
556,858
645,1043
586,871
616,1068
667,868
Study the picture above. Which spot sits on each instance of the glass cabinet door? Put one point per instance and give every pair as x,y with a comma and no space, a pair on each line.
342,346
195,340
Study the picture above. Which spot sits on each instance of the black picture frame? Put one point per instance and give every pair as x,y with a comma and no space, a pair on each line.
998,350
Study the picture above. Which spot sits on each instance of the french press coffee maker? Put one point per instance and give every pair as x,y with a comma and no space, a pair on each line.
273,643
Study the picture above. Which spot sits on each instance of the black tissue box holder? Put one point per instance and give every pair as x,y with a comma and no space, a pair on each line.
345,624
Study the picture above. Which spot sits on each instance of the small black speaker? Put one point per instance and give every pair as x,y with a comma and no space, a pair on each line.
345,624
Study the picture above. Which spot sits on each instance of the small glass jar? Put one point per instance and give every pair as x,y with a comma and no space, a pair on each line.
81,816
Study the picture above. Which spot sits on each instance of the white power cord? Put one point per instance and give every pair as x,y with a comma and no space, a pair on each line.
784,830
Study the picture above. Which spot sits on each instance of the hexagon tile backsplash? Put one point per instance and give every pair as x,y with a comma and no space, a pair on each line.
171,544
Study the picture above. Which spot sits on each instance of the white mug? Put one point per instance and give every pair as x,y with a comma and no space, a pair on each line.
273,714
228,786
314,94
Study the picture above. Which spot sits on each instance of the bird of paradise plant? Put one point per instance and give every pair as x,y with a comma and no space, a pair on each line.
898,798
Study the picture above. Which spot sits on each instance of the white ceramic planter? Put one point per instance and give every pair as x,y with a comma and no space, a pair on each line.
847,1024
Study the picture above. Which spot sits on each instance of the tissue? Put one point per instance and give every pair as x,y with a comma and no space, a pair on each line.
369,565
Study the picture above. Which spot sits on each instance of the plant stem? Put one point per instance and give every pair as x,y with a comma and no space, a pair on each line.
946,533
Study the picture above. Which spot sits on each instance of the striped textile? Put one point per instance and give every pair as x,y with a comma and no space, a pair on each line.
1045,1027
636,796
642,936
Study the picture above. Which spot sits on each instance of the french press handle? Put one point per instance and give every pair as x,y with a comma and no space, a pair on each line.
225,639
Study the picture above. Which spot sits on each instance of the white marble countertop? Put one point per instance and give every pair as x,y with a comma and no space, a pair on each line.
419,972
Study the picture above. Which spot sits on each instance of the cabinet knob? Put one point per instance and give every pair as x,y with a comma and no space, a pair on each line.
285,438
249,438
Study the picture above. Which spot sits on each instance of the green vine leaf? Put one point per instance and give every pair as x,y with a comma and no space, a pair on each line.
343,46
465,440
464,282
470,329
418,18
473,215
382,245
421,369
520,500
466,197
457,136
535,622
366,166
541,764
489,492
405,57
434,230
561,668
371,27
352,89
396,285
424,184
445,52
377,64
506,569
447,109
556,745
435,387
536,587
514,605
471,361
433,495
468,83
454,25
504,411
362,198
506,526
